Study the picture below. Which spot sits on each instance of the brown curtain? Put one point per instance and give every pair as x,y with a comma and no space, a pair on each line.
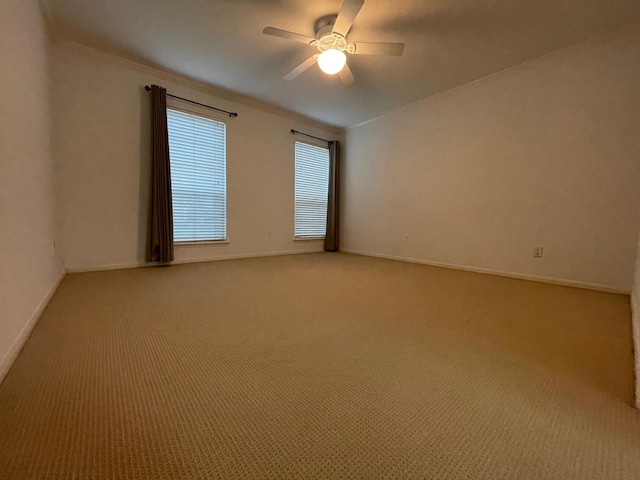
160,234
333,204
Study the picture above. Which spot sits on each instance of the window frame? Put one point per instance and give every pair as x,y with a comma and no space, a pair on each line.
315,143
185,107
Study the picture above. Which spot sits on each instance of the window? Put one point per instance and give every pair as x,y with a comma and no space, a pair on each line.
311,190
197,151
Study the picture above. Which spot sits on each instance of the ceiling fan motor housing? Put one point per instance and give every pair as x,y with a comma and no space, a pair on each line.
328,40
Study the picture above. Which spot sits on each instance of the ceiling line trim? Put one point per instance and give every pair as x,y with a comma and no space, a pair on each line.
588,43
203,87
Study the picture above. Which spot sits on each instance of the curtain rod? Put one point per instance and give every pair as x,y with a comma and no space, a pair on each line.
293,132
231,114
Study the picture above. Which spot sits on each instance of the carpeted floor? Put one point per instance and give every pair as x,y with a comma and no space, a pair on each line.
321,366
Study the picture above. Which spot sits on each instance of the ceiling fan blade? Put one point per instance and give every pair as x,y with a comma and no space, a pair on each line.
296,37
348,13
346,76
394,49
301,68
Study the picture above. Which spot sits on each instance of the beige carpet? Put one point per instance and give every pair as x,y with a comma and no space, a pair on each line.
321,366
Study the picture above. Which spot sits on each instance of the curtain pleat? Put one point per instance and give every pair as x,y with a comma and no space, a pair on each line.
160,234
331,238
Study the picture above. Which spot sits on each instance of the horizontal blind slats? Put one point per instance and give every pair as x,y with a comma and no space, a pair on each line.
311,190
197,150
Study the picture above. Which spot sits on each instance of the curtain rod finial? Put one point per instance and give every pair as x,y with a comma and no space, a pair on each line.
147,88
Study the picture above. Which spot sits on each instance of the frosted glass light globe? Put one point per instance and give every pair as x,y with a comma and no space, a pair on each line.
332,61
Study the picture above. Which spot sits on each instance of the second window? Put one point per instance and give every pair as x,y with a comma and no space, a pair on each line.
311,190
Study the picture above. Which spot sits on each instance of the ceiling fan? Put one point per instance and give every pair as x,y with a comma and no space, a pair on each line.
333,45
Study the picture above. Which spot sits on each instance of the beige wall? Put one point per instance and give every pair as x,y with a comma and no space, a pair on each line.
103,146
29,264
543,155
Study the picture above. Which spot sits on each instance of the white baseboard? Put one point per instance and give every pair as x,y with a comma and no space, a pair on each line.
488,271
103,268
246,255
123,266
19,342
635,324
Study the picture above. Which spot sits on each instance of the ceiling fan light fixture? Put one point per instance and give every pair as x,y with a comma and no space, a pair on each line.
332,61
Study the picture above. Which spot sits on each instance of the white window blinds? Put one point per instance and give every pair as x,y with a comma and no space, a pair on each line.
311,190
197,152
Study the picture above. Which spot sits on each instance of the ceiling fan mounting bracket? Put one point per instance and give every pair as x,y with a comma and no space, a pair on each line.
324,22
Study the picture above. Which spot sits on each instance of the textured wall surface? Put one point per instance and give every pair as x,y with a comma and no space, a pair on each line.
543,155
102,128
29,264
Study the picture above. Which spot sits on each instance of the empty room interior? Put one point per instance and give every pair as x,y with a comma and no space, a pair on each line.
319,239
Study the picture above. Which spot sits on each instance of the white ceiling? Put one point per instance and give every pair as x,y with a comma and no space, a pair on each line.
448,43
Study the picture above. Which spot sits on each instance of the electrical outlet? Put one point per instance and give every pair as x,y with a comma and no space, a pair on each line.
406,237
538,251
269,233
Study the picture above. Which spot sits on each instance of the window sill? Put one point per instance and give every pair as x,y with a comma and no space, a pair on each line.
202,243
307,239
